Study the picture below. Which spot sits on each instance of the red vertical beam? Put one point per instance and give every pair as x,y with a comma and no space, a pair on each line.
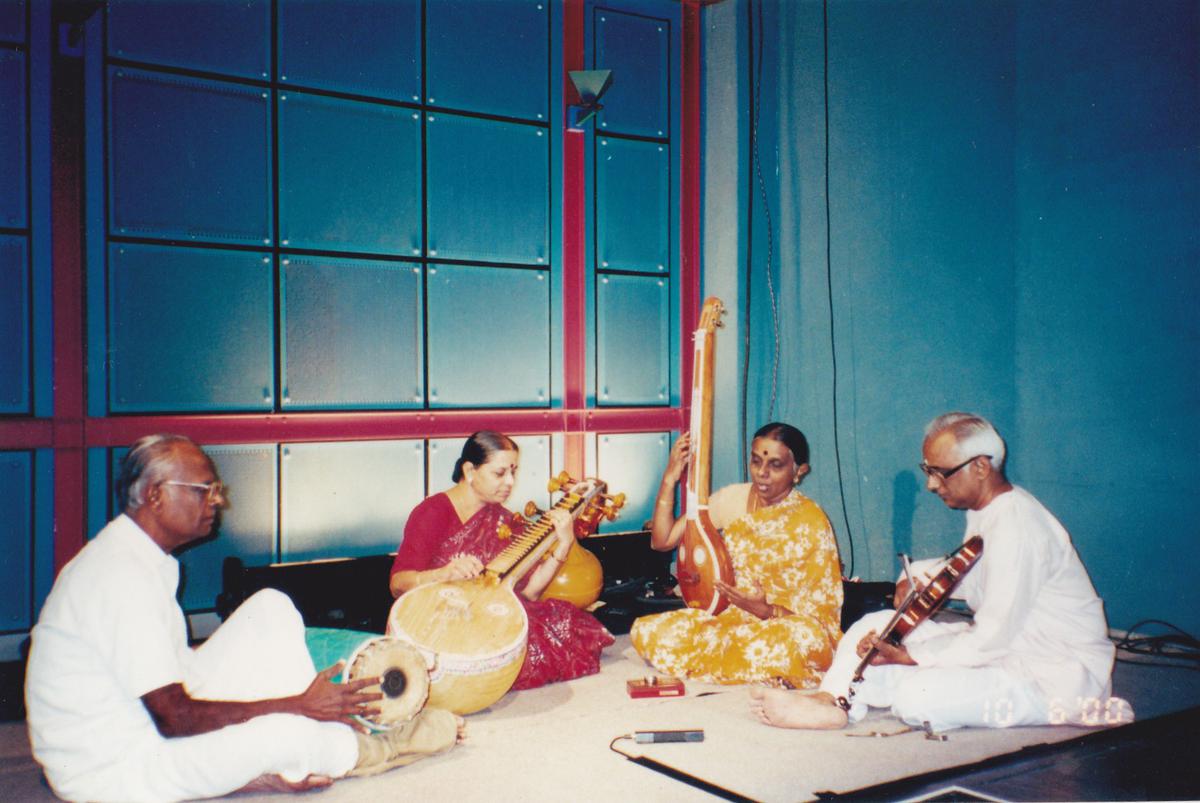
66,263
689,195
574,258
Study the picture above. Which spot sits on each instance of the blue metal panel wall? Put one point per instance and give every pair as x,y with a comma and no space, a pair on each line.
633,359
362,47
353,334
43,527
101,497
16,539
349,175
638,50
443,452
12,21
632,463
633,205
41,314
191,329
247,527
490,56
347,499
14,325
13,147
534,473
488,190
210,35
195,119
188,158
488,337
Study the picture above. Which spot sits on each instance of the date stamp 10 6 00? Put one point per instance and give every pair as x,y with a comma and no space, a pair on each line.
1090,712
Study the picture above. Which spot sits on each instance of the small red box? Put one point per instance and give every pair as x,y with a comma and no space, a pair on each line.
655,687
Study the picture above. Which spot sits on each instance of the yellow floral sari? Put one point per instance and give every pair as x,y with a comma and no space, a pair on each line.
790,550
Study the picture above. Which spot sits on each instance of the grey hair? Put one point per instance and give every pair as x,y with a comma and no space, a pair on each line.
973,435
143,465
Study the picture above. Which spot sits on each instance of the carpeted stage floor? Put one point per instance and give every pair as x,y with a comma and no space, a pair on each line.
553,744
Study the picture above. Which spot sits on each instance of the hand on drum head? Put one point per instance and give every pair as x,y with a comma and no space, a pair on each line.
338,702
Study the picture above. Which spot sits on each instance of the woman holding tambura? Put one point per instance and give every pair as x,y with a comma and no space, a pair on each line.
451,535
783,622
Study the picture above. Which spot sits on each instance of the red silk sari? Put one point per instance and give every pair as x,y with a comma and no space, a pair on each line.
564,642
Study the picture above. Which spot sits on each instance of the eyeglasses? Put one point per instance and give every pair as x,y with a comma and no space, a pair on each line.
944,474
212,490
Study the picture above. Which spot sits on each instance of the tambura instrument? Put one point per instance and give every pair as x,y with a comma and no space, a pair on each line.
401,668
702,558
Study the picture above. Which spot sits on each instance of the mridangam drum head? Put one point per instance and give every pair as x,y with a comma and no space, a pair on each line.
403,679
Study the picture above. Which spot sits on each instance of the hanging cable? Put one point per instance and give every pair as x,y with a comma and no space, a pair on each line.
749,278
766,205
1177,648
757,183
837,450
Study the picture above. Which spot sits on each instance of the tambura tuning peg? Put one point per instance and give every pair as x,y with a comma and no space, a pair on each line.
531,509
559,482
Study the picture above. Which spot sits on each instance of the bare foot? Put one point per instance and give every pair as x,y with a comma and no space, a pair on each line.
782,708
277,783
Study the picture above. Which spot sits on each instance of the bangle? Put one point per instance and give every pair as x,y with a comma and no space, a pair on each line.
557,558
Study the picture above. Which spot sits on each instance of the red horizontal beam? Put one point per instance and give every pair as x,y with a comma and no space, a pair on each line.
26,433
44,433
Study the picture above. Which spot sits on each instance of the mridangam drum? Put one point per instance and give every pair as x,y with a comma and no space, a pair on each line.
401,669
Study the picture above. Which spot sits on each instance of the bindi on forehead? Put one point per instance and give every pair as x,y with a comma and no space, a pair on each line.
769,449
501,465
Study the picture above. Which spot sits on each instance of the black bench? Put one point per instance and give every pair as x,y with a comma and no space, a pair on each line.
353,592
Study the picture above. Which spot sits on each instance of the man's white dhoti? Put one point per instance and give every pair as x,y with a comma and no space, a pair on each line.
259,653
111,631
945,697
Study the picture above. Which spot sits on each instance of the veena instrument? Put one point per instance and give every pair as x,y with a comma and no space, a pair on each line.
702,558
920,605
580,579
474,632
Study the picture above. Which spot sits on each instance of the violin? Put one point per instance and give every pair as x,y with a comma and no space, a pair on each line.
920,605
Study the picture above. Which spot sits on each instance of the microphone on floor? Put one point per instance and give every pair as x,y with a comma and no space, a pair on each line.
656,737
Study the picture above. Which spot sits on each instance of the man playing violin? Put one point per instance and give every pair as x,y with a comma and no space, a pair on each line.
1037,651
